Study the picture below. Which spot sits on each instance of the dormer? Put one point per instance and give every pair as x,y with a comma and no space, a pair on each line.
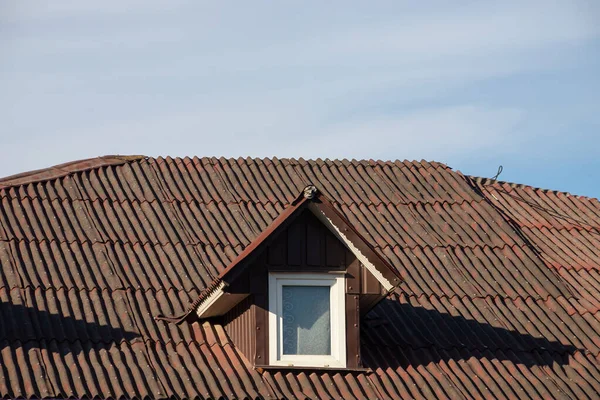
295,296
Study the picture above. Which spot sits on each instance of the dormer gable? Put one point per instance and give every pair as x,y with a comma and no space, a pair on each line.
294,297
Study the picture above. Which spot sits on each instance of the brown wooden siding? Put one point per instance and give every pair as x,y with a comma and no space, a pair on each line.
239,323
353,359
369,284
259,286
305,246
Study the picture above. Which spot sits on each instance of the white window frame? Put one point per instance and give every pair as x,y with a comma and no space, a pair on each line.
337,359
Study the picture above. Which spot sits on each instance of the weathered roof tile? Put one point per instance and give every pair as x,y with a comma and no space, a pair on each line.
499,299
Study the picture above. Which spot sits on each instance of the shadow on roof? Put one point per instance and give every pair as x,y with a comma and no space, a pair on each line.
401,335
23,326
393,335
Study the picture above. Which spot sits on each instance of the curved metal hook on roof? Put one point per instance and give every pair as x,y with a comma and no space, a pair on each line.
310,191
500,168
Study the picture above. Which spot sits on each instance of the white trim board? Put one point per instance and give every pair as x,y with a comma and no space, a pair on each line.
357,253
218,302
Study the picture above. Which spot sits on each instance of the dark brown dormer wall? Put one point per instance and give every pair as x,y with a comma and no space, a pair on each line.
306,245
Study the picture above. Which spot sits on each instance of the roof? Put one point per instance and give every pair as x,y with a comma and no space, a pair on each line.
500,292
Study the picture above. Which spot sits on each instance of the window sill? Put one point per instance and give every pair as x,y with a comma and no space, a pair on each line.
262,368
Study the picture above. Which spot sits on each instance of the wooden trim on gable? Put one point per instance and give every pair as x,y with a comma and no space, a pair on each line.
380,268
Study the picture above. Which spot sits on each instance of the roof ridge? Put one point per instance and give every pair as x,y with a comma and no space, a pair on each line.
64,169
491,181
297,161
60,170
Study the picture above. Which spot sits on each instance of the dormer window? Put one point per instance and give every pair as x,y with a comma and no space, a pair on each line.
294,297
307,320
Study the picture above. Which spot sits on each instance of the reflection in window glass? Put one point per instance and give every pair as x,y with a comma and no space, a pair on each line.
306,320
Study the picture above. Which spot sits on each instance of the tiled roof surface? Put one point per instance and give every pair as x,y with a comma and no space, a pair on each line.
500,299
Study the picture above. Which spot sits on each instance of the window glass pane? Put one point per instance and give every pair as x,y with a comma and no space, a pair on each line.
306,320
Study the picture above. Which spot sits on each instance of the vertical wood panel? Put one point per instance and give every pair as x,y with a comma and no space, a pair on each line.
369,284
335,250
241,284
353,359
259,287
309,245
314,229
261,356
239,323
353,281
296,242
276,251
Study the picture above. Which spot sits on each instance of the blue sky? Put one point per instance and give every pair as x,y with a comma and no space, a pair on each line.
473,84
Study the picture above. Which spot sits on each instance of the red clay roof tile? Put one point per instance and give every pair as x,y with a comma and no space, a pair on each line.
499,298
